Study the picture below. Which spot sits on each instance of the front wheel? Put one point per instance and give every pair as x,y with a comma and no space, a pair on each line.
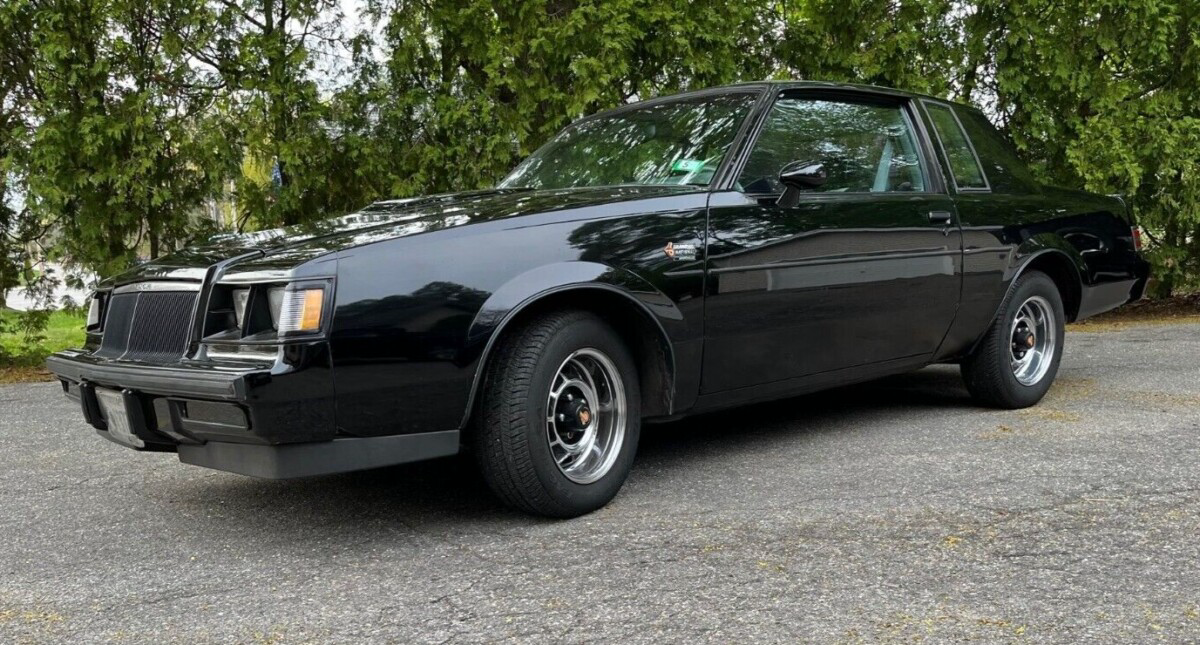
558,425
1016,361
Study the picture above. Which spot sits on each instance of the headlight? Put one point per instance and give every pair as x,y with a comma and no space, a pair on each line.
301,310
266,312
275,304
94,308
240,298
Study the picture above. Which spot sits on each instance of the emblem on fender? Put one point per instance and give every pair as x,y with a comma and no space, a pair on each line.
684,252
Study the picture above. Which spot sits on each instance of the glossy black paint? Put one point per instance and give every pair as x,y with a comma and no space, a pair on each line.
415,314
838,281
751,300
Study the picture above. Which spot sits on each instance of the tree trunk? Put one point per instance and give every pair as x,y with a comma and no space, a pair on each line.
153,235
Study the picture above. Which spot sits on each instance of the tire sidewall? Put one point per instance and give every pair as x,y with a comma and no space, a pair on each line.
587,333
1034,284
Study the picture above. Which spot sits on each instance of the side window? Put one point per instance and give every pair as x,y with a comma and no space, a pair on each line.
864,147
1005,171
963,164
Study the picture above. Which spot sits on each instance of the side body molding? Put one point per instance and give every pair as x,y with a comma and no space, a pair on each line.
559,279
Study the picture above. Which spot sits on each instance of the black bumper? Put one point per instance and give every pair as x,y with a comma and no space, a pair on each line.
267,420
266,402
1106,296
219,384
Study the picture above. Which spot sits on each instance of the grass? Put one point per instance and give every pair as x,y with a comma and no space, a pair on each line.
21,360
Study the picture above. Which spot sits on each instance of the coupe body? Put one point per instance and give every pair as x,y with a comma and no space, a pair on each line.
669,257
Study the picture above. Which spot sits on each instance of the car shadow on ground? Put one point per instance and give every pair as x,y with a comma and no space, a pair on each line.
448,492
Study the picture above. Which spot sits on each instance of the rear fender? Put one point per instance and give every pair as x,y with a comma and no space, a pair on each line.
1055,255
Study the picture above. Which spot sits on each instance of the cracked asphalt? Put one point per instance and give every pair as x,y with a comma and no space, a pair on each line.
892,511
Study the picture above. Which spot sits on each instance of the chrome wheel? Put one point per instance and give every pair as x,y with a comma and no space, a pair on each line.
586,414
1033,341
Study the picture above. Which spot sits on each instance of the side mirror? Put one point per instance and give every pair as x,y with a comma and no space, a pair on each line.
798,176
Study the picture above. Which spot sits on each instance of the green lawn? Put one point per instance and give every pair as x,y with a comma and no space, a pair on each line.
64,330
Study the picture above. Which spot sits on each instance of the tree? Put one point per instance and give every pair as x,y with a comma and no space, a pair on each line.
1106,96
15,76
121,119
262,53
118,153
468,88
915,44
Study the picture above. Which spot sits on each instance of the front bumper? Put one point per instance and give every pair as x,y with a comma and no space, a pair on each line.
221,384
270,419
287,399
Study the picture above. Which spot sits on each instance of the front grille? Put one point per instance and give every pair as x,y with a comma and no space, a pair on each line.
148,326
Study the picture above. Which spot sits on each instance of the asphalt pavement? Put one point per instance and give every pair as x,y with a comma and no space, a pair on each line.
889,512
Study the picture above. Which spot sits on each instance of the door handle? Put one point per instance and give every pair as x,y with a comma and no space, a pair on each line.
940,217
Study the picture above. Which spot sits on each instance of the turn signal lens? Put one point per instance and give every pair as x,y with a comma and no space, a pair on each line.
301,310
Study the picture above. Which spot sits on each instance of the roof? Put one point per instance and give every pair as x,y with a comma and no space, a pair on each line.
797,84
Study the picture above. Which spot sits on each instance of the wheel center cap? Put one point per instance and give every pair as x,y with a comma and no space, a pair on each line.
574,416
1024,340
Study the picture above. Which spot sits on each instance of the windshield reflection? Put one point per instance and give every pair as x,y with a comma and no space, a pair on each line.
670,143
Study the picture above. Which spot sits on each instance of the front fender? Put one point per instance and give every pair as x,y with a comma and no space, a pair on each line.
529,286
532,286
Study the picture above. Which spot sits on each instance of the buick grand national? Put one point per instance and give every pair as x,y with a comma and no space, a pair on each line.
666,258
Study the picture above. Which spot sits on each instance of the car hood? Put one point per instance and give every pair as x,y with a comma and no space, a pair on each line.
287,247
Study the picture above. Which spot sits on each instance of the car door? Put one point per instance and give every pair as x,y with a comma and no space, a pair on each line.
863,270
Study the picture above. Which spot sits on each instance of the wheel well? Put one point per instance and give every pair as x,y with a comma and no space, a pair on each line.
1065,277
645,339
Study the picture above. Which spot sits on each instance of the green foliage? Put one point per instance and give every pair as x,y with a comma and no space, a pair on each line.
125,125
915,45
469,88
58,330
1106,96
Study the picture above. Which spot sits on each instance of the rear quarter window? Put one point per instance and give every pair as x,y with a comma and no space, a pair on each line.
963,164
1005,171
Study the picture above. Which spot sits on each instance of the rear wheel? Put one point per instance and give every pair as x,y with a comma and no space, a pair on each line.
559,418
1017,360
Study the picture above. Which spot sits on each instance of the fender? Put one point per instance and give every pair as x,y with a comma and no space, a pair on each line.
528,288
1039,245
1027,254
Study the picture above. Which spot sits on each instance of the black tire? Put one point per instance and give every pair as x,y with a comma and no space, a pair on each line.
511,433
989,372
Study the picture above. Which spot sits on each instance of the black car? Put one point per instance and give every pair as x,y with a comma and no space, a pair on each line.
669,257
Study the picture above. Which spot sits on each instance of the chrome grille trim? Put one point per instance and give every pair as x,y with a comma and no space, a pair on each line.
142,287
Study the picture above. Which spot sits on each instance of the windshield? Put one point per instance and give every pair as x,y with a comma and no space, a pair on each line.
675,143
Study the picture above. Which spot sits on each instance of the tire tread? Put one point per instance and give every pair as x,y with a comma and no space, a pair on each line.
503,451
985,371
